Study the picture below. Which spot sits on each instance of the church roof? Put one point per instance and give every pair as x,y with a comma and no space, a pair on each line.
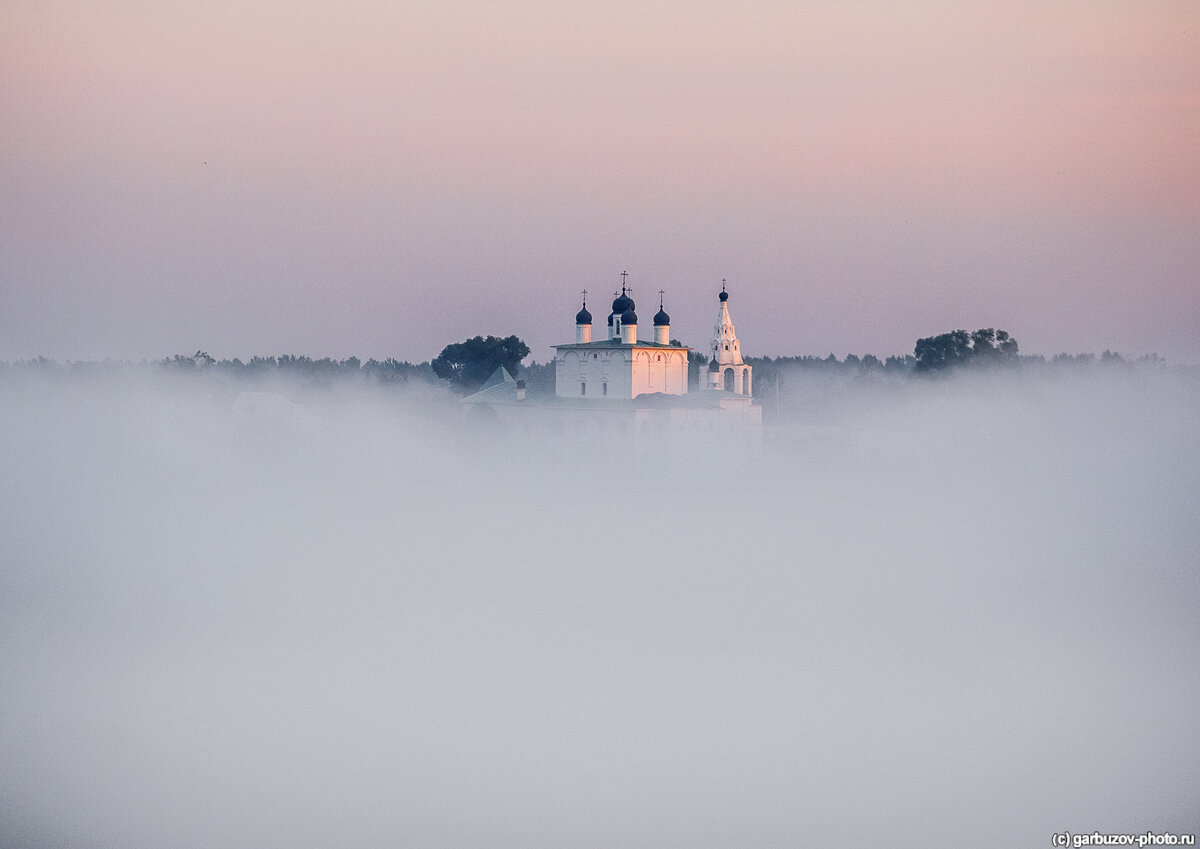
606,344
505,392
499,377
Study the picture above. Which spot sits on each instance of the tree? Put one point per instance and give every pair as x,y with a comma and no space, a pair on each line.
466,365
934,353
198,360
986,346
992,343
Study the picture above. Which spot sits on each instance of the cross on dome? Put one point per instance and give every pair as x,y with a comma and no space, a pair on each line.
583,316
661,319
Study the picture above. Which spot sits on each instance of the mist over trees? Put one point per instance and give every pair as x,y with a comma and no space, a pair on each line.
464,366
288,365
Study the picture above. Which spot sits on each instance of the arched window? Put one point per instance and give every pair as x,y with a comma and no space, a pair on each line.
583,387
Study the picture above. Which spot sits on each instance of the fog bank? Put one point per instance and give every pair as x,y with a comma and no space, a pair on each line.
930,612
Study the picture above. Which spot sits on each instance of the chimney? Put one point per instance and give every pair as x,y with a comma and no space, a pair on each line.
520,390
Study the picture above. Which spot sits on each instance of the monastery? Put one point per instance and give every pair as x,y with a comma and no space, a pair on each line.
626,383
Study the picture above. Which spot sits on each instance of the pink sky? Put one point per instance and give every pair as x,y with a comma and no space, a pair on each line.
381,179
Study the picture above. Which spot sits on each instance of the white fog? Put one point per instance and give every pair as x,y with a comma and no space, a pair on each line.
267,614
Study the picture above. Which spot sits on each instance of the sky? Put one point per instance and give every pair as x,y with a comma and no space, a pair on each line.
381,179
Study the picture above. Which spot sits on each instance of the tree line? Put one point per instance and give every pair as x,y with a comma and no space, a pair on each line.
465,366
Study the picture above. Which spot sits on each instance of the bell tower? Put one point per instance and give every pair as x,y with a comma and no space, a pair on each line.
726,370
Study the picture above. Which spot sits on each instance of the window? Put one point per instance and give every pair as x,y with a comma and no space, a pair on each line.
594,356
603,388
660,358
583,387
726,347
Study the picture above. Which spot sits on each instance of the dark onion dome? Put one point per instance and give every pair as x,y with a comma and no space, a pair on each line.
713,366
661,319
610,318
724,296
622,303
629,316
583,316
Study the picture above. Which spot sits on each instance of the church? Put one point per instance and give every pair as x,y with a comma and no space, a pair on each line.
622,366
622,382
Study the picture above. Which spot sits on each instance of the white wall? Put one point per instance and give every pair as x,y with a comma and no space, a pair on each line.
627,372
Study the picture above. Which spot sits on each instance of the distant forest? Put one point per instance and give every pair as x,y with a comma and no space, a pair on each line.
285,365
478,357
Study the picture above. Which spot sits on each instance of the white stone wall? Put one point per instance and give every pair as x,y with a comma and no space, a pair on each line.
626,372
658,370
574,370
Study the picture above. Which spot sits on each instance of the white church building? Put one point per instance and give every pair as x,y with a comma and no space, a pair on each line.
624,383
620,365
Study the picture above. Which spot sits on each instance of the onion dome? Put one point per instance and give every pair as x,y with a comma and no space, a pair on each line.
724,296
713,366
629,316
610,318
622,303
583,316
661,319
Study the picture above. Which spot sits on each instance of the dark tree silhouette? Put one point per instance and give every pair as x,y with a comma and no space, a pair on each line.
466,365
986,346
